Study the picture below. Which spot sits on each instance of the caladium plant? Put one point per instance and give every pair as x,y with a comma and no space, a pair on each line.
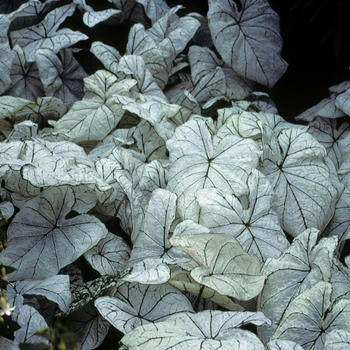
192,226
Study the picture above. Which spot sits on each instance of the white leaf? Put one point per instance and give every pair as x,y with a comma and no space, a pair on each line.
91,326
30,321
25,77
310,316
154,9
99,112
222,264
280,344
145,81
45,34
195,164
55,288
305,196
108,55
325,109
338,339
248,40
109,255
301,266
152,241
6,54
61,79
203,330
332,136
137,304
140,43
149,271
91,17
256,228
42,241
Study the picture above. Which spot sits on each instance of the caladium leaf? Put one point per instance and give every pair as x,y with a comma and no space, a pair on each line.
149,271
30,321
152,241
172,33
340,279
108,55
55,288
206,329
41,239
311,315
25,77
99,112
301,266
45,34
280,344
195,164
137,304
337,339
91,326
61,78
109,256
91,17
332,137
235,35
305,195
203,61
325,109
7,344
134,12
256,228
145,81
154,9
140,43
183,281
6,54
222,264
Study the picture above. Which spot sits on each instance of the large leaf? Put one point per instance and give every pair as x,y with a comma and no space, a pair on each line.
301,266
222,264
248,39
42,241
256,228
137,304
197,164
311,316
204,330
45,34
6,54
305,195
61,78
